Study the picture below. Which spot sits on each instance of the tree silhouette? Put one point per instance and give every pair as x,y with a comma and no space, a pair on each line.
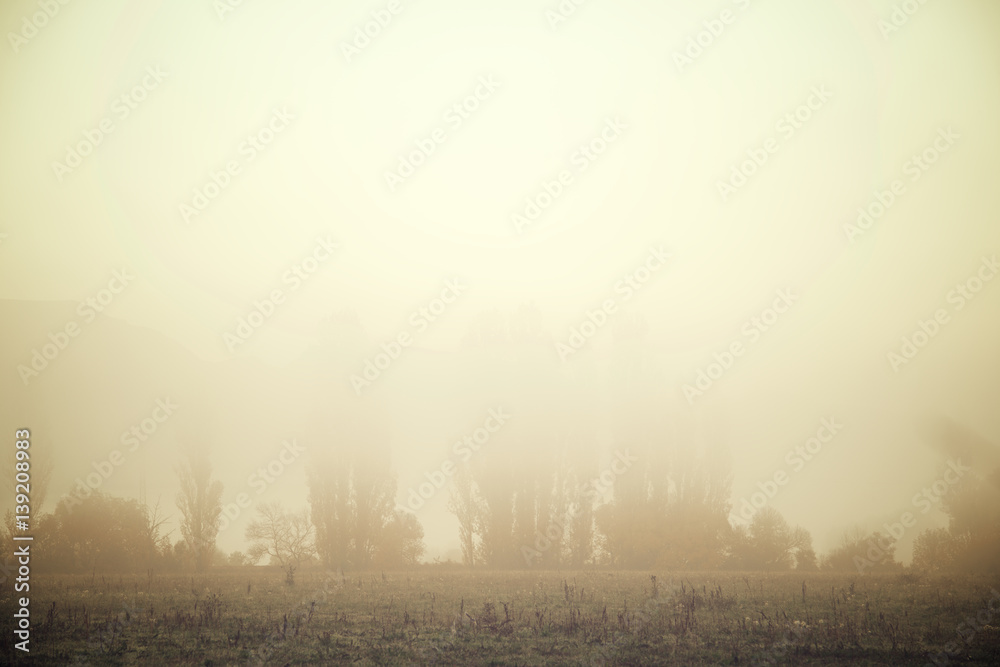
805,555
769,543
973,508
402,542
935,549
352,502
98,533
861,552
464,503
973,503
286,537
200,503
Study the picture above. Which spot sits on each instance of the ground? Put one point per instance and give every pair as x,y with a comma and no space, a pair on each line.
454,617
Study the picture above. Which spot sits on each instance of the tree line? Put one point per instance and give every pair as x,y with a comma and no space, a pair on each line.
659,497
655,514
351,523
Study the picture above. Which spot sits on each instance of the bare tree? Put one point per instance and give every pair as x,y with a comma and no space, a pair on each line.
200,503
464,504
154,541
286,537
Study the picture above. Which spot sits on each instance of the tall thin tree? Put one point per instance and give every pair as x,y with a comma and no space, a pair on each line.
200,503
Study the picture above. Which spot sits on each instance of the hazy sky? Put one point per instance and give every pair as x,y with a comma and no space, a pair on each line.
615,126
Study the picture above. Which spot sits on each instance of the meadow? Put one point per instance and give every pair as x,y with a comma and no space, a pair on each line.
441,616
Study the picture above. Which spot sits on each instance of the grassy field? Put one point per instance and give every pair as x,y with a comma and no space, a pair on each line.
249,616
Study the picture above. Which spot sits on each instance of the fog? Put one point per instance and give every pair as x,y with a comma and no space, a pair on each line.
771,257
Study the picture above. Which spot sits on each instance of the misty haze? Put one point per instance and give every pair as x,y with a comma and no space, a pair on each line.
561,332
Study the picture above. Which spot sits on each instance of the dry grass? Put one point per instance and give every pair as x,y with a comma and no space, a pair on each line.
249,616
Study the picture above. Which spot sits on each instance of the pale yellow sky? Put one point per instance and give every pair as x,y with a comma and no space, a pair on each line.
677,133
